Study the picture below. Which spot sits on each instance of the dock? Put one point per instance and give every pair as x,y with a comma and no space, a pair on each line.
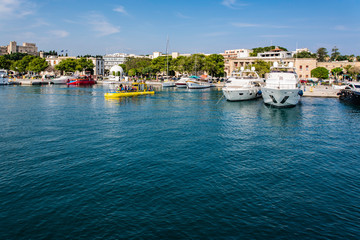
320,91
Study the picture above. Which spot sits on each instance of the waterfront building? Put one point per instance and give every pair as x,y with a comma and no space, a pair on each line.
114,59
29,48
275,53
99,68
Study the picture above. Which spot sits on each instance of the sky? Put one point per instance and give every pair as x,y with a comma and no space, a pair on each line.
192,26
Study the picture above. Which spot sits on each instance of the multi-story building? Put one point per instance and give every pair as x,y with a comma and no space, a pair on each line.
29,48
99,68
114,59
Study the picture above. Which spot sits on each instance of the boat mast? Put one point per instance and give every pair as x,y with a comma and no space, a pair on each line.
167,61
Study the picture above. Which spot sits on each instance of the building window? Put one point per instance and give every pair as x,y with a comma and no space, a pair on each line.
307,68
300,76
300,67
307,76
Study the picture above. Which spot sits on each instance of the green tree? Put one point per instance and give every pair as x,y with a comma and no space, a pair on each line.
67,65
22,65
5,63
15,56
337,71
320,72
132,72
305,54
322,54
84,64
38,65
123,66
214,65
335,54
264,49
358,58
261,67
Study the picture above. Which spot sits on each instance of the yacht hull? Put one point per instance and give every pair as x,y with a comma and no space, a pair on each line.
240,94
197,85
168,84
280,97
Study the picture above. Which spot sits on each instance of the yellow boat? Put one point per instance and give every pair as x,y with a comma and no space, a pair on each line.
127,94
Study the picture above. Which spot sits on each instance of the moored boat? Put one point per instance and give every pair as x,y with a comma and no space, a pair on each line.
243,85
195,83
136,90
63,79
351,93
82,80
282,87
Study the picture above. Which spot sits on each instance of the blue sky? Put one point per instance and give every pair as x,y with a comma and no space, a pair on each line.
208,26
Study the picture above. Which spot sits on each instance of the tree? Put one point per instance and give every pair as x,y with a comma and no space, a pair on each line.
22,65
358,58
67,65
261,67
84,64
15,56
322,54
334,54
132,72
37,65
5,63
336,71
214,65
320,72
264,49
305,54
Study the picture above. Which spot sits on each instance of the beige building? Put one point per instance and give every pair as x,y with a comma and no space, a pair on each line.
29,48
99,63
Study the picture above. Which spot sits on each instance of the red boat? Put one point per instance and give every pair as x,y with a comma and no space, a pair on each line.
82,80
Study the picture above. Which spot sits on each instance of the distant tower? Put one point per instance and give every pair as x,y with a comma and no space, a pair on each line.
12,47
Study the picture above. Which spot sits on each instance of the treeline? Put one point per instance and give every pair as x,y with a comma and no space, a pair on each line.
191,65
22,63
73,65
322,55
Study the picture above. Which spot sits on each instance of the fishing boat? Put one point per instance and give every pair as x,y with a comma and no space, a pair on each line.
137,90
82,80
243,85
282,88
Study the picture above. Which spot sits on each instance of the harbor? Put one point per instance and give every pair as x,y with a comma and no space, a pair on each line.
168,157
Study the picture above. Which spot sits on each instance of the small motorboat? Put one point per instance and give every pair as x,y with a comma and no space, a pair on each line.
82,80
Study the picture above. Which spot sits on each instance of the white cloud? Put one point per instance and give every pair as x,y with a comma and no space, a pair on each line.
233,4
340,28
215,34
101,25
180,15
245,25
120,9
59,33
275,36
16,8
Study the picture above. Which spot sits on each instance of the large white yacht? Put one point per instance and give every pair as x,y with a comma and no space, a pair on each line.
243,85
181,83
282,88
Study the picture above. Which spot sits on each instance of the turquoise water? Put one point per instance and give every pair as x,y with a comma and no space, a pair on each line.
181,164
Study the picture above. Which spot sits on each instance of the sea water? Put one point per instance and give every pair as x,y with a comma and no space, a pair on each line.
181,164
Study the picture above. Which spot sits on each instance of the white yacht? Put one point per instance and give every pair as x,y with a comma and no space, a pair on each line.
243,85
3,77
63,79
168,83
195,83
282,88
181,83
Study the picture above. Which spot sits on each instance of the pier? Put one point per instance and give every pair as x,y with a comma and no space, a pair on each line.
320,91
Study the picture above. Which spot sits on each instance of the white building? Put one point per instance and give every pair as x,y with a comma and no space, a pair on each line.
237,53
114,59
98,62
275,53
